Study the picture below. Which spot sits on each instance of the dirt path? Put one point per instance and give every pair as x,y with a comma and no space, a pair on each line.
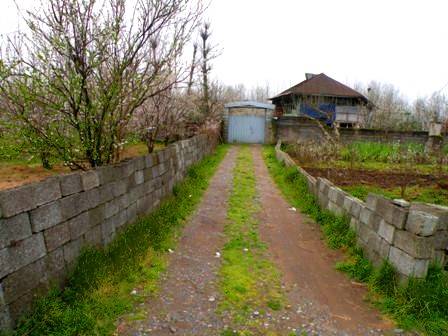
321,300
187,301
327,302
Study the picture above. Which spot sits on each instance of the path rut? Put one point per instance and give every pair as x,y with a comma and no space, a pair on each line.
187,299
327,302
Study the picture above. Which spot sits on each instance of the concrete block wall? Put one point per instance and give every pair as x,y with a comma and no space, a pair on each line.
44,226
293,129
409,235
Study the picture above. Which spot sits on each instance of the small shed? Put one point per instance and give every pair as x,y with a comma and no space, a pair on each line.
248,122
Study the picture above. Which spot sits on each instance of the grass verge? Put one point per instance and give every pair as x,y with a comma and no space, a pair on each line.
250,284
99,290
416,304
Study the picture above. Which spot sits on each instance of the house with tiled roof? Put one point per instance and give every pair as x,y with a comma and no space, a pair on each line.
324,98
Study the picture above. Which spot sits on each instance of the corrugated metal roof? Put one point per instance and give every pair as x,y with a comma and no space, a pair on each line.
322,85
250,103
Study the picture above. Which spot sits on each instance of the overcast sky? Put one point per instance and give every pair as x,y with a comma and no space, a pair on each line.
276,41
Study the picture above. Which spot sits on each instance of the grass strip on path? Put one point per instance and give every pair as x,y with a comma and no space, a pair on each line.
101,288
250,284
416,304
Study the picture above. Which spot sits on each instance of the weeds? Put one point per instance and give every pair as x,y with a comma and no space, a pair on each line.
98,291
420,304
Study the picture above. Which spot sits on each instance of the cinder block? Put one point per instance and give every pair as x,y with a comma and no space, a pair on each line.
120,187
139,177
17,200
356,208
371,201
55,265
370,218
407,265
335,209
149,161
26,251
383,249
421,223
72,250
90,180
390,212
108,230
415,246
5,264
354,224
73,205
47,191
14,229
106,193
111,208
365,233
92,196
438,211
127,168
323,201
93,236
155,171
120,219
96,215
57,236
441,240
46,216
108,174
2,296
386,231
131,212
70,184
22,281
6,323
24,304
79,225
348,202
123,201
139,163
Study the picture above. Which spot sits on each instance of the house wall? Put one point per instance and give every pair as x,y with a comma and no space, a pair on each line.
44,226
409,235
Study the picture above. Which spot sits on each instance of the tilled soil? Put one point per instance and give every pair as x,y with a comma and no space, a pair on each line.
188,297
384,179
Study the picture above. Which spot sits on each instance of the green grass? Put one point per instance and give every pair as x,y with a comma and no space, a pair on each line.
430,194
98,291
248,279
417,304
379,152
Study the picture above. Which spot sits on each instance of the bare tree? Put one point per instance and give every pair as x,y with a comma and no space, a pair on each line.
87,66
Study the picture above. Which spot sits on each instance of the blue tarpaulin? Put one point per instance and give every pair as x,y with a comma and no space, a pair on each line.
325,112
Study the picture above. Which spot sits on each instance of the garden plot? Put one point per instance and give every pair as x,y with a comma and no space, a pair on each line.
395,171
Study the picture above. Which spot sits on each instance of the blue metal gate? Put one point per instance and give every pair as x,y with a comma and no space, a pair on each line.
246,129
